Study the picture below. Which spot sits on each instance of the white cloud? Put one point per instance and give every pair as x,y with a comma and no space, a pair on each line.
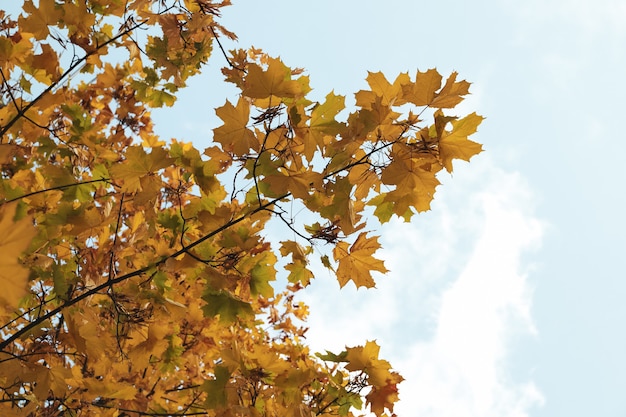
457,294
462,371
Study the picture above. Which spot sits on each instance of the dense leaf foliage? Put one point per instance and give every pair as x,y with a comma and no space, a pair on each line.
136,275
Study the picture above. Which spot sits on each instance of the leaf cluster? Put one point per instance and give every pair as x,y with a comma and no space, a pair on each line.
137,275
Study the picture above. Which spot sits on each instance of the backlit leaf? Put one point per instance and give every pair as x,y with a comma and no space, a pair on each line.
15,236
456,145
274,81
234,134
424,90
139,164
452,93
226,306
356,261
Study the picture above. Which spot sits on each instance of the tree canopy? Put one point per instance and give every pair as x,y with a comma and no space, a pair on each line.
136,274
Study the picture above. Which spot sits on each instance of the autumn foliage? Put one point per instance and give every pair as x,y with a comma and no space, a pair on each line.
136,275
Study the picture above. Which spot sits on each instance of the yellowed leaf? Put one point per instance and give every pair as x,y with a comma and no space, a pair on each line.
452,93
15,236
274,81
456,145
387,93
356,262
423,91
234,134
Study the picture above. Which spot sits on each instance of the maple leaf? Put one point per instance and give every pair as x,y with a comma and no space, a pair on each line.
423,91
234,134
154,343
414,179
365,358
109,389
356,262
153,255
137,165
45,66
390,94
299,184
452,93
274,81
323,123
37,19
342,207
262,273
216,388
226,306
298,271
381,398
15,236
456,145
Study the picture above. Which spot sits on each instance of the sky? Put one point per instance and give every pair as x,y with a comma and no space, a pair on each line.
507,299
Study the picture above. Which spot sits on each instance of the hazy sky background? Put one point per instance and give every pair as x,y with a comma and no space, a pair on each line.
507,299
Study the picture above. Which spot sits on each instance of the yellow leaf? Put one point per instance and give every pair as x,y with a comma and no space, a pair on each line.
45,66
153,345
275,81
110,389
362,357
323,124
298,271
79,21
300,184
414,178
365,358
422,92
356,262
15,50
234,134
15,236
390,94
137,165
192,5
452,93
455,145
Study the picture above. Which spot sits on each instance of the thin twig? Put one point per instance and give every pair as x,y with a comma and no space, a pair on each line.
217,39
75,65
58,187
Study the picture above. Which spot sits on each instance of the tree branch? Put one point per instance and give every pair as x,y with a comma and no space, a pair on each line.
58,187
135,273
75,65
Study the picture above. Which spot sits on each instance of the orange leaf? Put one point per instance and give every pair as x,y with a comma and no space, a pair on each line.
381,398
37,19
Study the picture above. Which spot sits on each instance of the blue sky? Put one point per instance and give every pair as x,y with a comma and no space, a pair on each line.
507,299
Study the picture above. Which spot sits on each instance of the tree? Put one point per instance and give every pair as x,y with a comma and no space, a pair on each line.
135,275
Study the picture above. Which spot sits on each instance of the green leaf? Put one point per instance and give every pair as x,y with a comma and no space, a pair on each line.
226,306
216,388
262,273
331,357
